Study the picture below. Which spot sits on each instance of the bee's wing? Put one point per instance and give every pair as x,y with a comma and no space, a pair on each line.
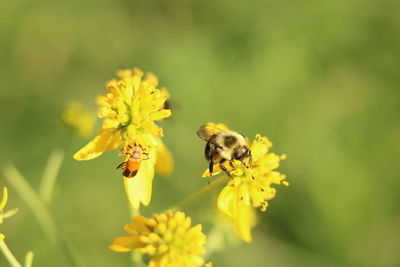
209,129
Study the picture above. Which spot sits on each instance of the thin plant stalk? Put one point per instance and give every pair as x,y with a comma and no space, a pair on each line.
50,175
203,191
28,259
9,256
40,211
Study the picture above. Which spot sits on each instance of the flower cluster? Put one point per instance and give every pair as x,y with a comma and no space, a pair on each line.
250,187
129,111
168,238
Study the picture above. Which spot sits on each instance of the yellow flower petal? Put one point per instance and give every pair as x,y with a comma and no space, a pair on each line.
152,128
161,114
2,237
260,146
244,221
126,243
165,162
139,223
227,200
4,199
139,187
151,78
107,139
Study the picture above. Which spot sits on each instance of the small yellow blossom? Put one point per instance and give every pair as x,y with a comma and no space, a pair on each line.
4,200
129,111
168,239
250,187
80,118
3,203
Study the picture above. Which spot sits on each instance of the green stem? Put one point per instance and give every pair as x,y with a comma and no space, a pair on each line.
188,201
41,212
9,256
28,259
34,202
50,175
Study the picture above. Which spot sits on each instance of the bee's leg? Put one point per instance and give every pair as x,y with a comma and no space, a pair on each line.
211,167
244,164
121,165
230,163
209,156
223,167
145,153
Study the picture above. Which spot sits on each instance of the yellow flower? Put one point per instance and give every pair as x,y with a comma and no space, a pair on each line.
250,187
130,109
4,200
3,204
167,238
80,118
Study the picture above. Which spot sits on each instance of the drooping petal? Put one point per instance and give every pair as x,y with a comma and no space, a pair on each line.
126,243
106,140
139,187
227,201
245,220
165,162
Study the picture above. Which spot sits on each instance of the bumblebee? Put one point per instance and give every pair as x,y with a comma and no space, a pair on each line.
223,145
131,166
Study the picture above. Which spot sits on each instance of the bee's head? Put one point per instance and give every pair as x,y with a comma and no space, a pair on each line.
241,153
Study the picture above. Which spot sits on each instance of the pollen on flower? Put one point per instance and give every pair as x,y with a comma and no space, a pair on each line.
129,111
250,187
168,238
253,186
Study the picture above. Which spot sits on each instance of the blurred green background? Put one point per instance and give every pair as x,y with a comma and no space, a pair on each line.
319,78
